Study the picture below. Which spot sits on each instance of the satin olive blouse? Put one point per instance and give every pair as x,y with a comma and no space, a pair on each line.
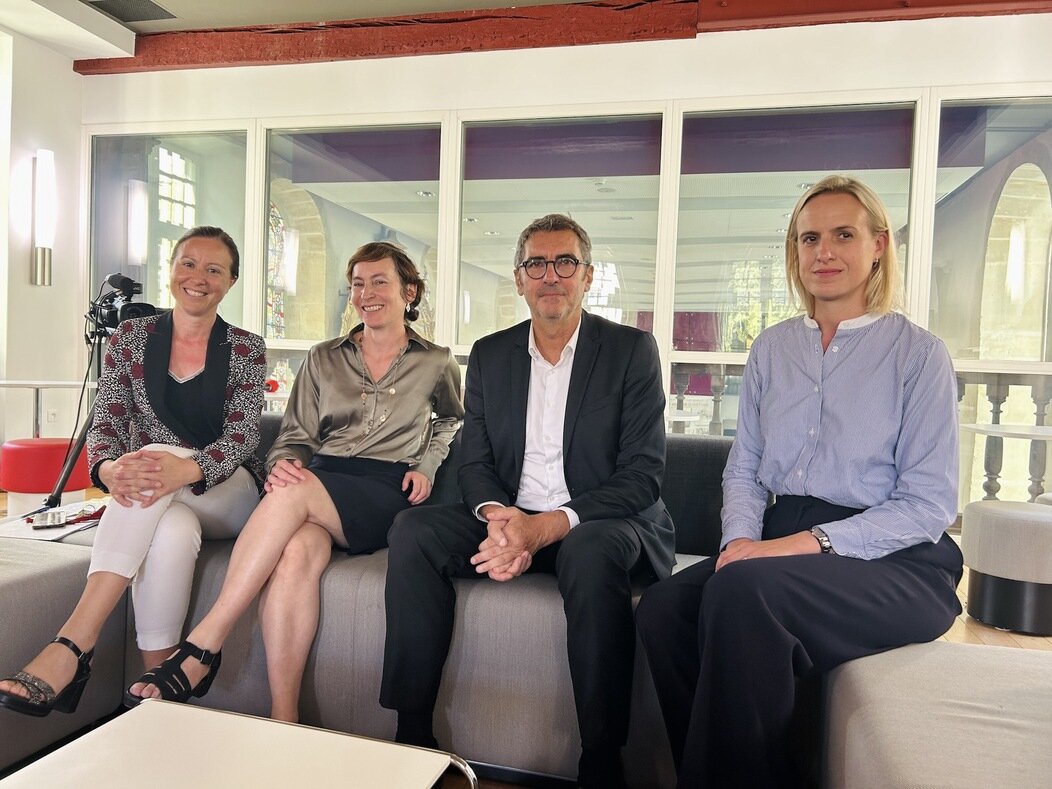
409,416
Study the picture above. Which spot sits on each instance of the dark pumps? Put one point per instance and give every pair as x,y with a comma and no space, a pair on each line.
42,697
171,679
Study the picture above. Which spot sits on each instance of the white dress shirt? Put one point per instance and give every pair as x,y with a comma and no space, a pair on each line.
542,486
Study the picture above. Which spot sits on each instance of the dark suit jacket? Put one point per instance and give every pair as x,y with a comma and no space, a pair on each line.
613,436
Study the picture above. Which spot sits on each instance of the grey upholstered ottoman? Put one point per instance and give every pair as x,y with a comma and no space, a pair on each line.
1007,547
941,715
39,584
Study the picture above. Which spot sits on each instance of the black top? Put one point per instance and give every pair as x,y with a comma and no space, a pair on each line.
186,403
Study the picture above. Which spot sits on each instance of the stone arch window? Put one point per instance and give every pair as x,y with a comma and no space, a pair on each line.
1014,317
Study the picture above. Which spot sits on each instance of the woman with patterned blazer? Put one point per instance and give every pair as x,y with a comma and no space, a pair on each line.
175,425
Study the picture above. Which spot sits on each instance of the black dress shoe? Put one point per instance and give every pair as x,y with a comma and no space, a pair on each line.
600,768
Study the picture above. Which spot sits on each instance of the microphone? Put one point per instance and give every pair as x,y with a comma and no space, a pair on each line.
122,283
119,282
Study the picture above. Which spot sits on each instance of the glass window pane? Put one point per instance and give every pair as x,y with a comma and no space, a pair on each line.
993,224
601,171
703,398
133,226
329,192
742,173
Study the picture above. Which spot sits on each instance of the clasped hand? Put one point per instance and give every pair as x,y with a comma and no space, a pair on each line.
145,476
512,539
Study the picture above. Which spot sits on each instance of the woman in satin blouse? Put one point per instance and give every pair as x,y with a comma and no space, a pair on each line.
369,420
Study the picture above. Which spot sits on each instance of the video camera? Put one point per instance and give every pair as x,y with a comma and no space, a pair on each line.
107,312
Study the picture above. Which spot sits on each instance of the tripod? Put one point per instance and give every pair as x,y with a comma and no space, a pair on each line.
95,340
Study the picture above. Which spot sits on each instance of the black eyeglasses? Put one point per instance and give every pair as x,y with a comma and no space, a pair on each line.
564,265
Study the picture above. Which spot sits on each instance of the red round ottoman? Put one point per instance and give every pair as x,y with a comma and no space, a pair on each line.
29,469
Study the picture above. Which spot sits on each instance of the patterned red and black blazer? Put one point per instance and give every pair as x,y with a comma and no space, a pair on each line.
130,411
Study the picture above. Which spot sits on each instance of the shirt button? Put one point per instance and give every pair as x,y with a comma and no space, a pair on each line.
835,348
816,388
811,432
799,472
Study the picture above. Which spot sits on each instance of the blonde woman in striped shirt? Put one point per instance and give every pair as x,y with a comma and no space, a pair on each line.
848,416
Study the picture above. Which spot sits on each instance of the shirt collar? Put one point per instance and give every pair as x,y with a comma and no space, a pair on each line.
411,335
568,350
852,323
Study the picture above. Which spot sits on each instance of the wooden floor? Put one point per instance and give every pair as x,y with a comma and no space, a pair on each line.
965,630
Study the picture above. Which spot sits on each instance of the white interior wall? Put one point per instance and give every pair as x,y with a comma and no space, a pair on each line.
43,339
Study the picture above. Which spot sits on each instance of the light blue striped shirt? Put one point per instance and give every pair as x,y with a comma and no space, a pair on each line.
871,423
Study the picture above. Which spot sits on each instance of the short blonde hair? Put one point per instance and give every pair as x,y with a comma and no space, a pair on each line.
884,289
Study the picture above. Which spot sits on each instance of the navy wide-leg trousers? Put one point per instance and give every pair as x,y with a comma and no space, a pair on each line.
726,648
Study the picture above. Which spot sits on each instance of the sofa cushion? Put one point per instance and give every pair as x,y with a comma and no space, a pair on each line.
693,490
940,714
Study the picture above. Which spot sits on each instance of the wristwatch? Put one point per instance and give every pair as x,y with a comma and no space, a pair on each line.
823,540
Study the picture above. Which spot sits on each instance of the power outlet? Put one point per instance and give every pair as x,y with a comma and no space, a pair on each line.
52,415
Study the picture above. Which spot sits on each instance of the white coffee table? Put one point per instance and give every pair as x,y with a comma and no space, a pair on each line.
162,744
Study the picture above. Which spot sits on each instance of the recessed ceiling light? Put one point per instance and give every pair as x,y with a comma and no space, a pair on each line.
491,233
782,230
471,219
424,193
805,185
606,190
622,218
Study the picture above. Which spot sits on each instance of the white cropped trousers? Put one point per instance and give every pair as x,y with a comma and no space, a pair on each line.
157,547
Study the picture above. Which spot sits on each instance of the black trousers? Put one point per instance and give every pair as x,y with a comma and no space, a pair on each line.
429,546
727,648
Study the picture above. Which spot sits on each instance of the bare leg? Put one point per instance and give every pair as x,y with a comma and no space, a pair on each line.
279,515
288,613
151,658
55,664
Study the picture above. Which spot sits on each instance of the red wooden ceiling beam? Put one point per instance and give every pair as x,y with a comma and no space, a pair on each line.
750,14
468,31
516,28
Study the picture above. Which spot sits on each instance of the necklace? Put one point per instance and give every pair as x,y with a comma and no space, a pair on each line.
371,420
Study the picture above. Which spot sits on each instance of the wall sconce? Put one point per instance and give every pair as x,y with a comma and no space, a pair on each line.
45,215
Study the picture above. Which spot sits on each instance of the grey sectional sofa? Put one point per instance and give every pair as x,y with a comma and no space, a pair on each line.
506,696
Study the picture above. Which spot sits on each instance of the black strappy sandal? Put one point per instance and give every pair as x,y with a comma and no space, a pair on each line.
42,697
171,679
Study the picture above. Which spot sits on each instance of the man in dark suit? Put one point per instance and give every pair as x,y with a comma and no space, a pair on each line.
564,448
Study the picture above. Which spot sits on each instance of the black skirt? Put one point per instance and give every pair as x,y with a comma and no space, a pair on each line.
367,494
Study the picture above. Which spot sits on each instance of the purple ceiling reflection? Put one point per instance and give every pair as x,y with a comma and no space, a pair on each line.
596,148
823,141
